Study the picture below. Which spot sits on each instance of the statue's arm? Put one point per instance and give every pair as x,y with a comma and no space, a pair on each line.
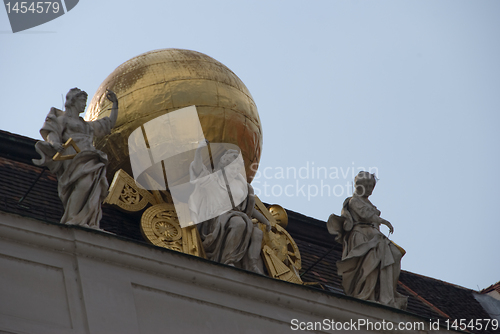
197,165
389,225
114,110
53,139
368,213
52,129
261,218
103,126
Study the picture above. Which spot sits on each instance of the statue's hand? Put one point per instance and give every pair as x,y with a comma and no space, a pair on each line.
389,225
268,225
57,146
203,143
111,96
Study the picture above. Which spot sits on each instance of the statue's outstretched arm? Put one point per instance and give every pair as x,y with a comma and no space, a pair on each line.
261,218
114,110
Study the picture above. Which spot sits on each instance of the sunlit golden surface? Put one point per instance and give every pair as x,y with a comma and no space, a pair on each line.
160,81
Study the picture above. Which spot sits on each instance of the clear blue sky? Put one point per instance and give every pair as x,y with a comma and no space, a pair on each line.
409,88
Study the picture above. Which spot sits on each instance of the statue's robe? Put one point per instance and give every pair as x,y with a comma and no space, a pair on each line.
208,200
371,263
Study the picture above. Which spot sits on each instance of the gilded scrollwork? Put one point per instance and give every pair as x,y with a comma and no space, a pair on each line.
160,226
159,223
127,195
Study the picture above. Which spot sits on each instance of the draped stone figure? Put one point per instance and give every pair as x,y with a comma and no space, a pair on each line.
371,263
81,168
229,237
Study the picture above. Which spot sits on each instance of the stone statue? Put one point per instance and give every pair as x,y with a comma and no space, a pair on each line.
370,262
81,168
230,237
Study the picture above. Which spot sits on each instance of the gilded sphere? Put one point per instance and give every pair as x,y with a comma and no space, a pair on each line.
158,82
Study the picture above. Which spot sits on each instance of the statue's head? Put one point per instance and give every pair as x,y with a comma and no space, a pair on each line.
232,163
76,98
364,183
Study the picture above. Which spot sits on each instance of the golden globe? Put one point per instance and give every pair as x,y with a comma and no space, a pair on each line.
161,81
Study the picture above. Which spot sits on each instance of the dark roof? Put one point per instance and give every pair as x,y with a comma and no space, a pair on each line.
493,287
428,297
